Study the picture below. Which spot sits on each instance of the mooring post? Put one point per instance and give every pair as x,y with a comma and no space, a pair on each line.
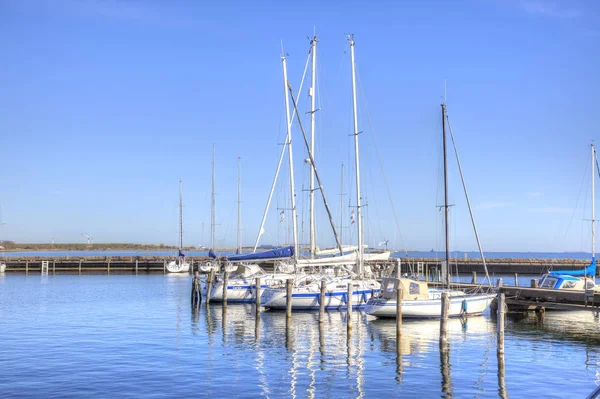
108,267
26,267
349,305
225,286
209,286
192,266
398,312
196,291
500,325
288,298
499,283
257,296
53,267
80,267
322,301
534,283
136,267
474,279
516,280
444,321
164,266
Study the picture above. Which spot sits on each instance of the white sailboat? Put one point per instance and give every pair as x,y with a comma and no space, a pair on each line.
179,265
212,264
580,280
418,300
340,270
241,285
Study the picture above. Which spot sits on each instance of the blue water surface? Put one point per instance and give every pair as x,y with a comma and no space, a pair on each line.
138,336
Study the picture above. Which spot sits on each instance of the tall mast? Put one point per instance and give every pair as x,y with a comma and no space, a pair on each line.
593,204
446,272
311,192
290,156
239,210
357,163
342,207
212,205
180,215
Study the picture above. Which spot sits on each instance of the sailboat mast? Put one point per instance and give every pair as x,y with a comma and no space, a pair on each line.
239,208
357,163
446,272
212,204
342,207
180,215
593,204
290,156
311,192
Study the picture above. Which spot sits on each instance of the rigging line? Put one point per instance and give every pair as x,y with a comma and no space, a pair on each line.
468,202
576,203
387,186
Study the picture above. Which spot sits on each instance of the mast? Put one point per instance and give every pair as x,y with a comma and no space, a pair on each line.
311,192
239,208
446,268
180,216
593,205
212,205
342,207
290,156
357,163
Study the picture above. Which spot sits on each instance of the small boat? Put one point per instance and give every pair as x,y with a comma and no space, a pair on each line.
420,301
179,265
580,280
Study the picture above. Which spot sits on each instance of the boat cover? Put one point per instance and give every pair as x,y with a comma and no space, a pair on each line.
588,271
286,252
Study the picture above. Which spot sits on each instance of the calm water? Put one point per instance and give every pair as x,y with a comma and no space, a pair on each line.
106,336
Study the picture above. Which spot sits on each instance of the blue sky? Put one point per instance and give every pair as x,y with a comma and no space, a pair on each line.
105,104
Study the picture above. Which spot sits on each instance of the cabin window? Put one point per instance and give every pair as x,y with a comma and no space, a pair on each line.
414,289
548,282
569,284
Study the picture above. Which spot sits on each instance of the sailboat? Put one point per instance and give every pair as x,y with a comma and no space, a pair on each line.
179,265
418,300
244,269
337,271
211,265
582,280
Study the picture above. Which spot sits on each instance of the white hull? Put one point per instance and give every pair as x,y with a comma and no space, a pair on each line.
2,267
243,289
308,297
460,305
176,267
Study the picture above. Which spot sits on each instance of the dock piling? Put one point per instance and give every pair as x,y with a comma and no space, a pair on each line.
534,283
136,267
26,267
444,322
108,267
80,267
322,301
209,286
257,296
398,313
516,280
349,306
499,283
164,266
288,298
474,279
53,267
225,286
196,291
500,322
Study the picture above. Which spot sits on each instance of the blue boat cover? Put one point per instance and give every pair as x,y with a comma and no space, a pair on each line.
588,271
181,253
212,254
286,252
